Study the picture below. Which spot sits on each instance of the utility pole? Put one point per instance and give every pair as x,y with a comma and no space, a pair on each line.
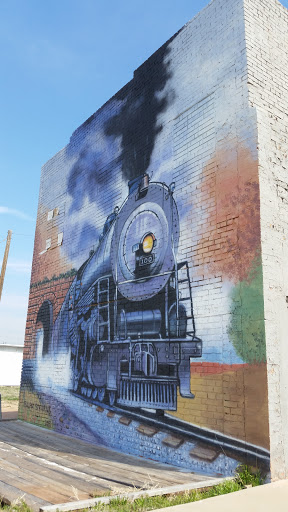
4,264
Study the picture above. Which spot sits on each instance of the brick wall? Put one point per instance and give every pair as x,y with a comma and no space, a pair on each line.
187,118
267,38
53,291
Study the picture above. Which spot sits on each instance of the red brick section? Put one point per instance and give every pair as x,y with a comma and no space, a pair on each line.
227,198
55,291
215,368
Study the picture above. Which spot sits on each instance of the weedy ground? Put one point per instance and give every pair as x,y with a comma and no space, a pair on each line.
243,479
10,393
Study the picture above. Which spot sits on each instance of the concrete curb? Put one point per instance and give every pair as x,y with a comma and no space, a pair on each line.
77,505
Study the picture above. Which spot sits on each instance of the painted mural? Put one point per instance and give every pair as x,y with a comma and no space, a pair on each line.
145,327
128,314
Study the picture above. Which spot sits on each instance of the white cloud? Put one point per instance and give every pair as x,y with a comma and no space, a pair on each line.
16,213
11,302
20,266
13,313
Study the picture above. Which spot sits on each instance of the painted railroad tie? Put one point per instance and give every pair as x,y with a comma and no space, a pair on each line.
173,441
205,453
147,431
125,421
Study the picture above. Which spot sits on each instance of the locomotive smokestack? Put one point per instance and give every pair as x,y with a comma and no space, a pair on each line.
141,183
145,182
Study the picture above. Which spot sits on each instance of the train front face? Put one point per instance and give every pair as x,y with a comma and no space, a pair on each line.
156,359
144,242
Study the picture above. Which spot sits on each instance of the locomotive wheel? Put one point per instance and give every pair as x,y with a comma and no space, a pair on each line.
112,397
101,394
76,380
97,367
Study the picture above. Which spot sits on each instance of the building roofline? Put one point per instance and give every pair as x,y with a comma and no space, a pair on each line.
10,345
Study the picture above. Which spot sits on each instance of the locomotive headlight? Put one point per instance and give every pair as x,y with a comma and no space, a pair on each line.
148,243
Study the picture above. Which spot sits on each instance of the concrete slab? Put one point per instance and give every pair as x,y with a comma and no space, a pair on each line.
9,415
264,498
9,410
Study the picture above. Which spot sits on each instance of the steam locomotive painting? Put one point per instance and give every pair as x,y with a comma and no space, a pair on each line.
129,313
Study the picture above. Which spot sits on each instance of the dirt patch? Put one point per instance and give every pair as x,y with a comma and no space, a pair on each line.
9,398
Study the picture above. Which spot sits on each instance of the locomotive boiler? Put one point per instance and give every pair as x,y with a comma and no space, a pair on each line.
130,317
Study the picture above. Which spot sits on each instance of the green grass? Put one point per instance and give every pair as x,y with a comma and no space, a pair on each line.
21,507
9,393
245,477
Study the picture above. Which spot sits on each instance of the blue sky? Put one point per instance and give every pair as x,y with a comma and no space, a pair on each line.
60,62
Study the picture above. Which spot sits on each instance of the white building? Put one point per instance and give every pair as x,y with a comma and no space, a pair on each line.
10,364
